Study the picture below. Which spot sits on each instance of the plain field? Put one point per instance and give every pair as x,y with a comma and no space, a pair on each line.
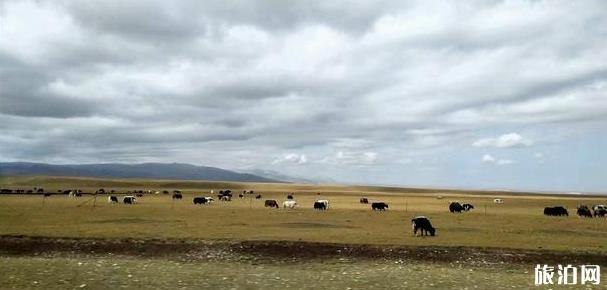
518,223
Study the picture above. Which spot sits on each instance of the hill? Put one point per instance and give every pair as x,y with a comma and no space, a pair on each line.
176,171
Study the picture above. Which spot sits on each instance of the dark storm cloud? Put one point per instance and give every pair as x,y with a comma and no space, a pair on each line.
24,93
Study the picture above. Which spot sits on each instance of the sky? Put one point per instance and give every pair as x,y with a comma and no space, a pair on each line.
467,94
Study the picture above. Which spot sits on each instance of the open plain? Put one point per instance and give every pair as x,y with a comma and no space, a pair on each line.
282,248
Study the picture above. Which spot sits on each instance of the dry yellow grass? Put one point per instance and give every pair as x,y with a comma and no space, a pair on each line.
518,223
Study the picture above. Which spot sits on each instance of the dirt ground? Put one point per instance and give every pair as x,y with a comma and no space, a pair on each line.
196,250
55,263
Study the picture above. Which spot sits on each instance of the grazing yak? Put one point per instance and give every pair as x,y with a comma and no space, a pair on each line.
584,211
320,205
270,203
289,204
325,201
599,206
112,199
200,200
600,213
40,190
379,206
290,196
599,210
556,211
467,206
456,207
225,192
422,224
177,195
129,199
258,196
74,193
364,200
225,195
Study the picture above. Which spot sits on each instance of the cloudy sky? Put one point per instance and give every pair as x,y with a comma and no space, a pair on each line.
484,94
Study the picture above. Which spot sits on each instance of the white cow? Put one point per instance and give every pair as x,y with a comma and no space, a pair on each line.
325,201
289,204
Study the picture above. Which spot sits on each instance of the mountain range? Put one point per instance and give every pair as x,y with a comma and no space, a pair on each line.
177,171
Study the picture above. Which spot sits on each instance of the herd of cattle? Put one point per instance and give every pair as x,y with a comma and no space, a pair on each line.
226,195
419,223
456,207
598,210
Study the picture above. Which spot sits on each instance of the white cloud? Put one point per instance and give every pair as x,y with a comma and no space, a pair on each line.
370,157
292,158
503,141
350,158
493,160
488,158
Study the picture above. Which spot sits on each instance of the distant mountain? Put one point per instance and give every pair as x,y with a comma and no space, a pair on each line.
144,170
279,176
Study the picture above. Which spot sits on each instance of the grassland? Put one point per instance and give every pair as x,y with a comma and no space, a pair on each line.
516,225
